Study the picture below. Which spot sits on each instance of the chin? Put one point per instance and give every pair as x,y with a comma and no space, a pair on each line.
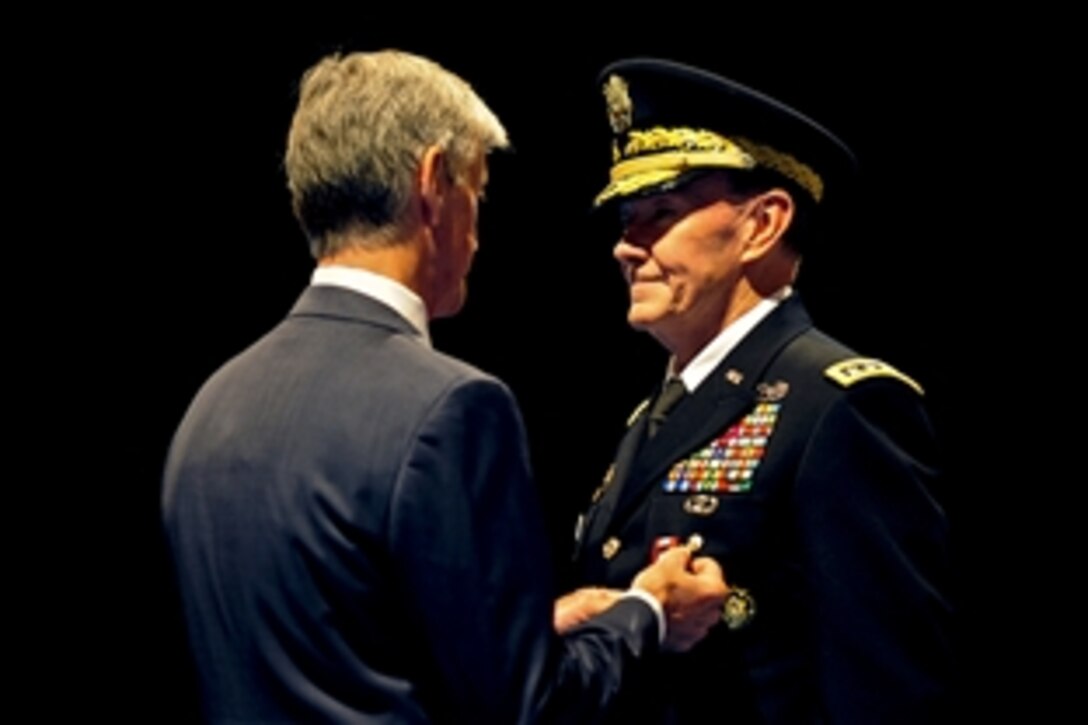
451,306
641,319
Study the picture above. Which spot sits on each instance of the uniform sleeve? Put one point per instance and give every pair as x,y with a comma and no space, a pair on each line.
468,539
877,560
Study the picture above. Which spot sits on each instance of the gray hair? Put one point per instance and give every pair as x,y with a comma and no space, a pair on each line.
359,133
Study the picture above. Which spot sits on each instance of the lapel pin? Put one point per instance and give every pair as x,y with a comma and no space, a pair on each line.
734,376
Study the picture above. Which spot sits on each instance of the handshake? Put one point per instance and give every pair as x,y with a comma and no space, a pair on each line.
692,592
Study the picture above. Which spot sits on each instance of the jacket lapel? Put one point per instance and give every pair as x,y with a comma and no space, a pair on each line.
601,514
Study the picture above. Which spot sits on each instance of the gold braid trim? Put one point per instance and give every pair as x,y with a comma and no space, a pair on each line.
786,165
659,138
680,161
642,172
656,155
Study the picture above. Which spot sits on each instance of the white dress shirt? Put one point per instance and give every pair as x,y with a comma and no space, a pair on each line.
704,362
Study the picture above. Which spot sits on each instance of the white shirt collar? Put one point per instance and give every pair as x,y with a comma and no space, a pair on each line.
715,351
385,290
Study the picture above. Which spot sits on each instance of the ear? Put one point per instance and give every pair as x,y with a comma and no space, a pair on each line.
433,184
768,222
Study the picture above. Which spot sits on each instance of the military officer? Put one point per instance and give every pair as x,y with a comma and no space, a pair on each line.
805,468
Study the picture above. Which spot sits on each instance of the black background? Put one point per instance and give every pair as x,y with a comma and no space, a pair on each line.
183,132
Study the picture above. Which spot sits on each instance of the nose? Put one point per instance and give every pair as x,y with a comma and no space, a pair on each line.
629,254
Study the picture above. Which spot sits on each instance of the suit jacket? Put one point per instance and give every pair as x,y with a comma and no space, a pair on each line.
357,538
814,495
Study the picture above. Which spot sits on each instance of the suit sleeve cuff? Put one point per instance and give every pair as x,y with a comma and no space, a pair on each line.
652,603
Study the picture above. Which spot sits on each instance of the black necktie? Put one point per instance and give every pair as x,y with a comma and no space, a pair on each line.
670,395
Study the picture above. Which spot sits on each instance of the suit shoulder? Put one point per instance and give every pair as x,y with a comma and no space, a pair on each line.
459,374
442,366
447,381
426,370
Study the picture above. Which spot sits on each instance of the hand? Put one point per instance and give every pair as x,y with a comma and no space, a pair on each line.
581,604
691,591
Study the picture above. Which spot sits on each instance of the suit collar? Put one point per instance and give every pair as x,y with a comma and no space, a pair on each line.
344,304
386,290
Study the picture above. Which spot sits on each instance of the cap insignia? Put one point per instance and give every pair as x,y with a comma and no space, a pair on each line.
620,108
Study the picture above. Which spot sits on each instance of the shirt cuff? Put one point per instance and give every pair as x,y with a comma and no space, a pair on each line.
655,605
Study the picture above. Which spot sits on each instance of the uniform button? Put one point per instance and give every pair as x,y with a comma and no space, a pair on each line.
610,547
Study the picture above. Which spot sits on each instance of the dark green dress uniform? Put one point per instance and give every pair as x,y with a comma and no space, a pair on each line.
805,470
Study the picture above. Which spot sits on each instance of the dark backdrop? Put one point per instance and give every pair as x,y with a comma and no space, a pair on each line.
210,257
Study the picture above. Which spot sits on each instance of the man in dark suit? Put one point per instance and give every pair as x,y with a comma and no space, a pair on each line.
805,470
353,526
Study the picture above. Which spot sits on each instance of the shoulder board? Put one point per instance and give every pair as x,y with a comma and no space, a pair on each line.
856,369
637,412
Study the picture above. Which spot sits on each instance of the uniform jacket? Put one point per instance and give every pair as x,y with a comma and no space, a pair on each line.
812,485
357,538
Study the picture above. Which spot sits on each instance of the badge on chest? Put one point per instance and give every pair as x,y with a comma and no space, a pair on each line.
729,462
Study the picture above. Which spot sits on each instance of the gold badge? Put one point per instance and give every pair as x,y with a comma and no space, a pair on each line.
854,370
610,547
739,608
701,504
772,392
734,376
618,99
